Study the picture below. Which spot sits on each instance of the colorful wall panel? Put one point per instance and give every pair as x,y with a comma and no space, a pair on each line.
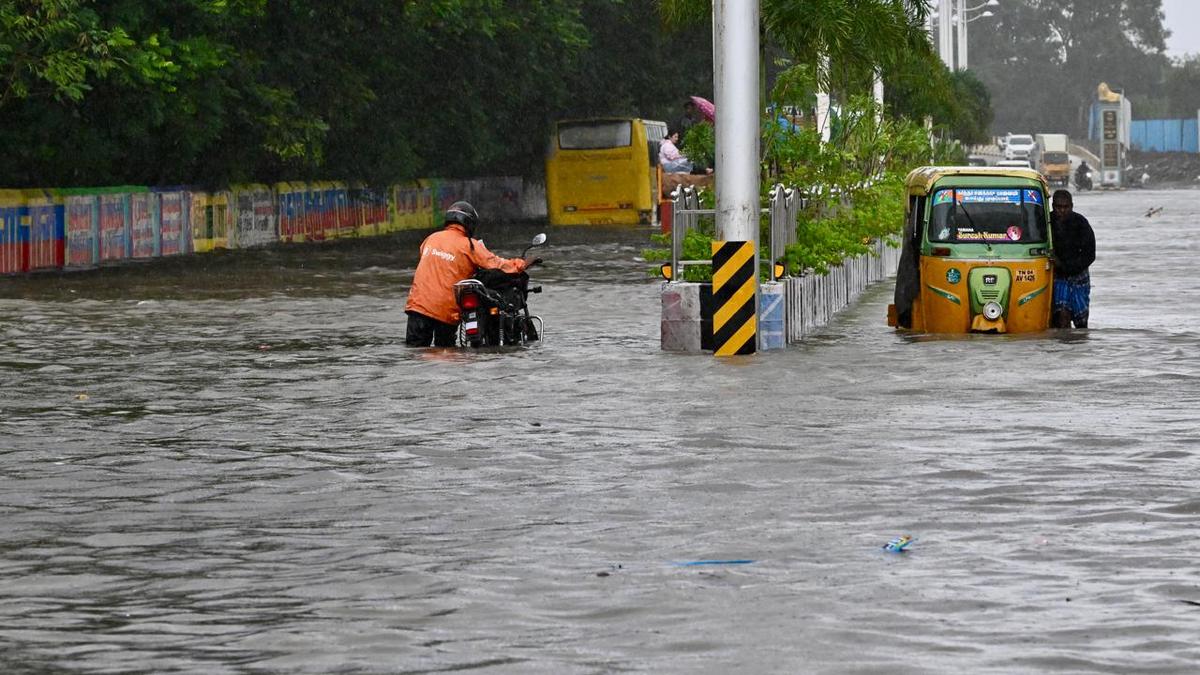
75,228
45,217
175,234
13,237
370,211
291,211
254,220
210,220
114,227
82,231
413,206
143,230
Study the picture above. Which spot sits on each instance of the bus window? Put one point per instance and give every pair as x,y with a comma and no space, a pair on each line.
655,132
595,135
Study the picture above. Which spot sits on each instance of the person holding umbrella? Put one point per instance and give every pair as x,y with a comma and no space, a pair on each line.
696,109
708,112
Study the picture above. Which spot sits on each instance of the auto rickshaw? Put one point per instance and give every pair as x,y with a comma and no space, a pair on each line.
976,252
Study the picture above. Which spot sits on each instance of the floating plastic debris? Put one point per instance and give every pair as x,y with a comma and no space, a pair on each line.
899,544
696,563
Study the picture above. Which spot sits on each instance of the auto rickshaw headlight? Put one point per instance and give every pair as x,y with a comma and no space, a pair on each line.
992,311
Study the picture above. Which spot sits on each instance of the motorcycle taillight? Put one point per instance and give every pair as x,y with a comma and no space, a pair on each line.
469,301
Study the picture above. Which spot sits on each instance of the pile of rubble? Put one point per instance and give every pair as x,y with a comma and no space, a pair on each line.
1165,169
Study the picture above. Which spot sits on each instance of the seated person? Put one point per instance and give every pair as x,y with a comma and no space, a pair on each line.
670,158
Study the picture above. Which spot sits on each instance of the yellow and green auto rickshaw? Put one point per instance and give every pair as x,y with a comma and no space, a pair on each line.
976,252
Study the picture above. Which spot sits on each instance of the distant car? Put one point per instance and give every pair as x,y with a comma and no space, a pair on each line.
1015,163
1019,146
977,160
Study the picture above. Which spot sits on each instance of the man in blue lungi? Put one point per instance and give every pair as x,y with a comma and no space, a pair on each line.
1074,252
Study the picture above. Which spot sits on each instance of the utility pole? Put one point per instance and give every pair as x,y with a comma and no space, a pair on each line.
945,36
962,34
738,208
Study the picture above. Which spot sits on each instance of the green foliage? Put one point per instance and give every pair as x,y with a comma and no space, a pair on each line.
700,145
854,186
855,35
696,245
214,92
855,183
381,91
56,48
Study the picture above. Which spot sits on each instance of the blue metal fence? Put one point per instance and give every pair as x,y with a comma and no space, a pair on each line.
1165,135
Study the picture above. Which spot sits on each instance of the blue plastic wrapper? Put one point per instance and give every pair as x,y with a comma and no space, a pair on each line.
899,544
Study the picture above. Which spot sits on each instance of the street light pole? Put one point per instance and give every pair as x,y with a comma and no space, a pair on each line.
945,37
962,35
962,26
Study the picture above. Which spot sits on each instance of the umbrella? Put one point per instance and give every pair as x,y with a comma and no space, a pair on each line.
706,108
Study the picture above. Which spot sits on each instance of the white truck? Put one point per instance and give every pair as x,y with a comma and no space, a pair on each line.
1054,160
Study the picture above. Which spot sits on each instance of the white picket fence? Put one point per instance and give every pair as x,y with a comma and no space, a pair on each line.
812,299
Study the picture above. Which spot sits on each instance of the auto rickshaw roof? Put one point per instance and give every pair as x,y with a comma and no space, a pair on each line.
921,180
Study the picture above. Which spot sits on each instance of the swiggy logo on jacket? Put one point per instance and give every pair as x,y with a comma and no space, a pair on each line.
429,250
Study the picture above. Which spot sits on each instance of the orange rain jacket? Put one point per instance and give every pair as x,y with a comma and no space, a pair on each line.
448,257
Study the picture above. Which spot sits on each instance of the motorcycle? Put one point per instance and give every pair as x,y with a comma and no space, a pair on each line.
494,307
1083,181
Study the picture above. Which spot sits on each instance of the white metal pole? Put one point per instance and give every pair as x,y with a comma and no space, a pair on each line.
945,37
962,34
929,23
877,91
735,69
824,128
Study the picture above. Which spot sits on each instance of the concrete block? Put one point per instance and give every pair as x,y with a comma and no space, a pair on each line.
681,336
680,328
681,301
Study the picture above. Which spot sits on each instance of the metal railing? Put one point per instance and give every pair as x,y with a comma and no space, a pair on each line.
784,209
685,204
785,206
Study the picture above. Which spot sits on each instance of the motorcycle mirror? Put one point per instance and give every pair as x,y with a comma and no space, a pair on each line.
538,240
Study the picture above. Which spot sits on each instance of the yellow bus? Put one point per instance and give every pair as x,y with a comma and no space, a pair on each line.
603,171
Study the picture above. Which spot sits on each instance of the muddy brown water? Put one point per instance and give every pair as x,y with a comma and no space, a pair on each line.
233,465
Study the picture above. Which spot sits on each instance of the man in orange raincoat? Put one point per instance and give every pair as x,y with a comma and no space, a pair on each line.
447,257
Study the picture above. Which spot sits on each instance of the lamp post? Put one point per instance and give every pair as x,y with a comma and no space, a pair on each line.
962,26
945,37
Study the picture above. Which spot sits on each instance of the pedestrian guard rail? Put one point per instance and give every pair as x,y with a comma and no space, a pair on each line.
810,300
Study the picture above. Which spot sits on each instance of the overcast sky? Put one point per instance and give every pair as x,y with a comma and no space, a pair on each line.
1183,20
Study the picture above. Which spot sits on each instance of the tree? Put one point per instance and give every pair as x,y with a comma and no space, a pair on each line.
1044,58
55,48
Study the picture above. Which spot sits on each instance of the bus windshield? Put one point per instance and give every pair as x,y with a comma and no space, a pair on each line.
595,135
988,216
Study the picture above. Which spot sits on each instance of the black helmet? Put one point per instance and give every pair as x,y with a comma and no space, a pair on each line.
464,214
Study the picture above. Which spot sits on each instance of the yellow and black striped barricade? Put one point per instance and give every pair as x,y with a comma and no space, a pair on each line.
735,286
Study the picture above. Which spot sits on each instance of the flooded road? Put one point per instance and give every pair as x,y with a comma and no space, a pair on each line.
233,465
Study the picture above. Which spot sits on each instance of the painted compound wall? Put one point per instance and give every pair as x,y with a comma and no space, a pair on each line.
80,228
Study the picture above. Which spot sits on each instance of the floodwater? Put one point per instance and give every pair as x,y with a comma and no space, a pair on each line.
233,465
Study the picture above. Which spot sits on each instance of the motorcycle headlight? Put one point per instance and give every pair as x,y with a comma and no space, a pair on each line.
992,311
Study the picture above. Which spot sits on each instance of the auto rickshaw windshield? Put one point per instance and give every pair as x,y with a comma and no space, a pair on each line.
988,216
